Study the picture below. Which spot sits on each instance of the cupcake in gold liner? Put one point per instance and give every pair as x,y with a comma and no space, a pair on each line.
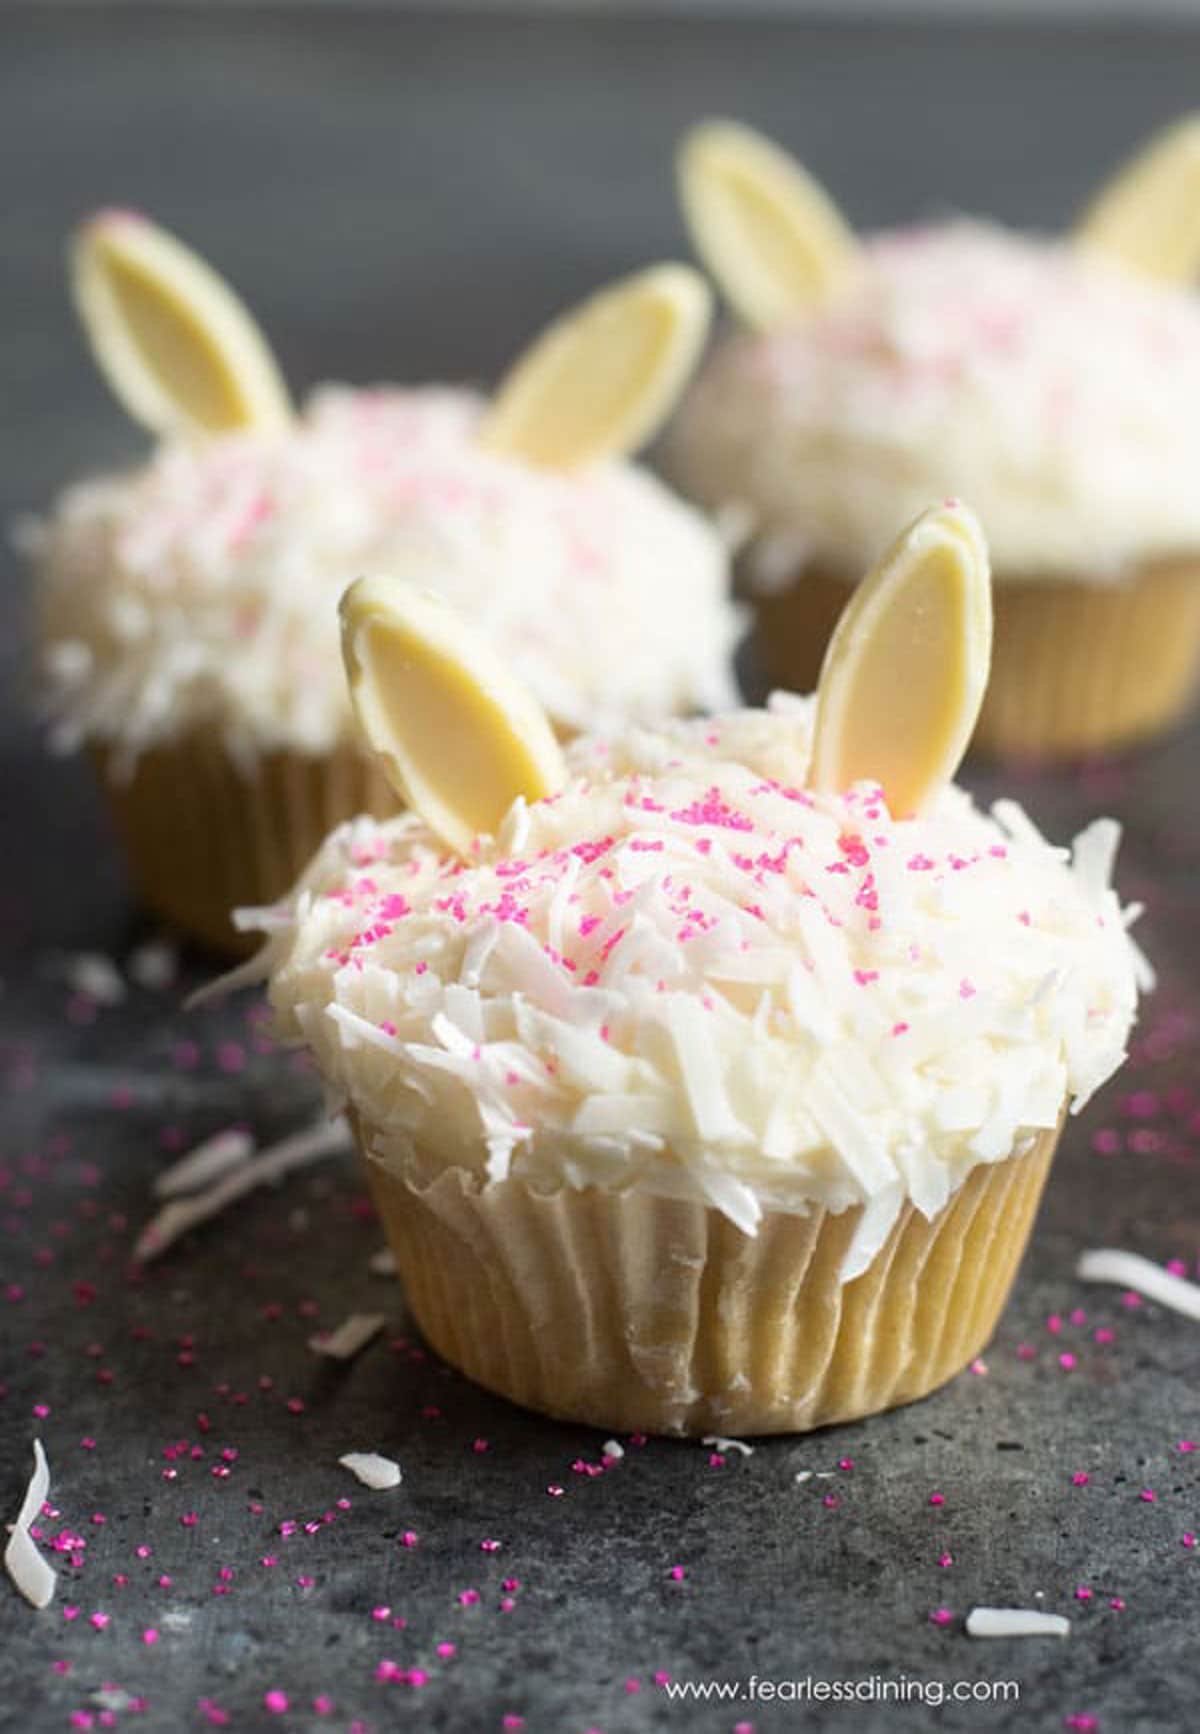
1054,383
188,607
707,1075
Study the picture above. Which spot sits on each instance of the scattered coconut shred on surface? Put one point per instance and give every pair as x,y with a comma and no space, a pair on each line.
178,1215
378,1473
31,1574
350,1337
206,1163
1016,1623
1130,1270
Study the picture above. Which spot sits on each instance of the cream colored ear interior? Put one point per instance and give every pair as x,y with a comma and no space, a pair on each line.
907,666
457,735
600,381
177,346
1148,215
771,236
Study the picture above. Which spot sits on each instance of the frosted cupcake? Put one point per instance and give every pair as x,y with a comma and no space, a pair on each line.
1053,383
189,607
707,1076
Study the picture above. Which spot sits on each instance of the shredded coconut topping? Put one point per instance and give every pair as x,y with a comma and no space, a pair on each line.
201,590
691,973
1053,389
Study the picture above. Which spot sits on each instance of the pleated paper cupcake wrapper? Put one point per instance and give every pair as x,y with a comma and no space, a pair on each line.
635,1313
1077,668
204,836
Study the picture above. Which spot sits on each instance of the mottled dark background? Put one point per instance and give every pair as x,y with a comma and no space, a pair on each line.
409,195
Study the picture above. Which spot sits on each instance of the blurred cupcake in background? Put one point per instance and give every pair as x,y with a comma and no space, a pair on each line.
1054,383
188,607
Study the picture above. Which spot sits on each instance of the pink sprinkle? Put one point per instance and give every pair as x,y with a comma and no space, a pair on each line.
489,1546
1148,1495
190,1519
468,1597
410,1538
512,1722
1083,1593
445,1650
677,1573
149,1636
940,1617
100,1621
1081,1723
1080,1478
632,1686
1188,1539
1067,1361
1186,1445
276,1702
323,1705
1117,1603
937,1499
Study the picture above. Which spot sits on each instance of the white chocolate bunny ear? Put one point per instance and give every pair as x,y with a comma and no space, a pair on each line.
1148,215
600,381
457,736
906,668
177,346
770,235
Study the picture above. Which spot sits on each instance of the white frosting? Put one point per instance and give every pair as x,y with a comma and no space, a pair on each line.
688,973
201,590
1057,392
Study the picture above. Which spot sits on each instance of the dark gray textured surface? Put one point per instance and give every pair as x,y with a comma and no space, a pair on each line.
407,196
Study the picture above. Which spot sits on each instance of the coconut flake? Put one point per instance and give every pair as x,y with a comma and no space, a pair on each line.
1016,1623
96,977
383,1262
154,965
206,1163
26,1567
378,1473
719,1443
350,1337
326,1138
1130,1270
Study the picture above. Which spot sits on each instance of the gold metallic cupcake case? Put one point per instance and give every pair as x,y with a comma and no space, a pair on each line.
625,1309
205,832
1081,664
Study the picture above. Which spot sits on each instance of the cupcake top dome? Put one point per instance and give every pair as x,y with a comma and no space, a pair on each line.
715,959
199,590
1052,382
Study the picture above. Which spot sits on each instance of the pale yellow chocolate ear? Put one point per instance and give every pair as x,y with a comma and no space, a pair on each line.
906,668
1148,215
600,381
178,348
770,235
458,737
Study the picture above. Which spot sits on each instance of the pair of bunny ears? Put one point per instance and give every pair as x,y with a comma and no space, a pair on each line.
460,738
183,354
779,247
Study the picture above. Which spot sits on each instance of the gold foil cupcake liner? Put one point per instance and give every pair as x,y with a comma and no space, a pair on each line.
204,836
636,1313
1077,668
